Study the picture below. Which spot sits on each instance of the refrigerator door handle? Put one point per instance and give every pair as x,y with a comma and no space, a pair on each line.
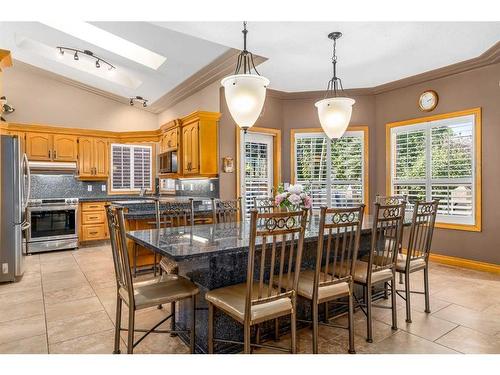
25,225
27,173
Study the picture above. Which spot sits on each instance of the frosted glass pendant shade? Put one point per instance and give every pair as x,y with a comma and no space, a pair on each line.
334,115
245,96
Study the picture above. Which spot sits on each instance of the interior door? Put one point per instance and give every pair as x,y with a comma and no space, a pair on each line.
256,180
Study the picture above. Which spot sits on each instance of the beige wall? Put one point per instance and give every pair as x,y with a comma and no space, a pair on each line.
206,99
476,88
43,100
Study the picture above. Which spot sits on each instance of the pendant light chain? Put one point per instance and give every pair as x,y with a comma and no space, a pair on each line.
335,83
245,58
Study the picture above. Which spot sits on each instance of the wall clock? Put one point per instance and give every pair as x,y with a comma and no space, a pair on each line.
428,100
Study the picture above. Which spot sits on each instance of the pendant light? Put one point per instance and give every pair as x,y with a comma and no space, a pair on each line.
245,91
335,110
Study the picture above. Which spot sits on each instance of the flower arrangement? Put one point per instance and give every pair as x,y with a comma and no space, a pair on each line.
294,198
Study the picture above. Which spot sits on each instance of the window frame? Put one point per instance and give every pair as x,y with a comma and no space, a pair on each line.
422,123
365,162
151,146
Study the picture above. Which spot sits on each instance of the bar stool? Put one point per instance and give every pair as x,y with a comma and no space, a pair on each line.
416,256
379,267
281,236
332,277
142,295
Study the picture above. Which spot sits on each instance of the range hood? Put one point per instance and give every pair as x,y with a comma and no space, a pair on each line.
48,167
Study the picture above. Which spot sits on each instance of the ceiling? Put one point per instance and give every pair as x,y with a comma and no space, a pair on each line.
34,43
369,53
298,53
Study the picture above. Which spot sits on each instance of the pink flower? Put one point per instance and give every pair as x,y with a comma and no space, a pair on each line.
307,202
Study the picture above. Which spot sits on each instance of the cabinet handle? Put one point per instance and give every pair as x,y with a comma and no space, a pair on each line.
93,232
49,154
55,155
93,217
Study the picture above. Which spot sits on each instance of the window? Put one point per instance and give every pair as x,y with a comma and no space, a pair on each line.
257,179
130,167
334,171
437,158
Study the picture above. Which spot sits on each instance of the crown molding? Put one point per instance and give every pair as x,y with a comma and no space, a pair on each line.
215,71
489,57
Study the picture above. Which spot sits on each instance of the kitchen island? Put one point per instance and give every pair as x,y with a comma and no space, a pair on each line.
214,256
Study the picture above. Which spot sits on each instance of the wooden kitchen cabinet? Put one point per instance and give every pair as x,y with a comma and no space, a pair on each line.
199,144
39,146
170,140
190,149
93,158
65,148
48,147
93,221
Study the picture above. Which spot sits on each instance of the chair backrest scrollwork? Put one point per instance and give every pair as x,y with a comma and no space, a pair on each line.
280,238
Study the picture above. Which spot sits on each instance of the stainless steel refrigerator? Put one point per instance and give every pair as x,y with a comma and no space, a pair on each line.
14,195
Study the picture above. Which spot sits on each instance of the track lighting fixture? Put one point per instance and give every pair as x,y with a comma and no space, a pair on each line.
139,99
86,52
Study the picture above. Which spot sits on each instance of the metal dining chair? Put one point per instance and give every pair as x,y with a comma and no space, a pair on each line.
416,256
275,252
379,267
264,204
170,215
226,211
142,295
332,277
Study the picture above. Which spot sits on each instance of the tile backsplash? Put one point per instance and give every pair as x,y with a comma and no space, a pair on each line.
67,186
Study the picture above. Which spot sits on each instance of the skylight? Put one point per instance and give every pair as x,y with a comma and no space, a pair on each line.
106,40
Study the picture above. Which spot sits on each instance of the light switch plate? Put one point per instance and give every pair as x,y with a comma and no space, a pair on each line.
211,186
191,187
103,187
89,187
5,267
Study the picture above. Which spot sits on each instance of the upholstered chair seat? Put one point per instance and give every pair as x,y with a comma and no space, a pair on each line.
231,300
160,290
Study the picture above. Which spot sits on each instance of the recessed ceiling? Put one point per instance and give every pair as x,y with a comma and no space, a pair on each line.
369,53
35,43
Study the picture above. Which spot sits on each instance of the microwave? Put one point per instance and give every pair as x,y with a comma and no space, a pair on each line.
168,162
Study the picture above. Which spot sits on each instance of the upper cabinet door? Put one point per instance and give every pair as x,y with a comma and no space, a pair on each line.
195,149
65,148
186,149
39,146
85,157
101,157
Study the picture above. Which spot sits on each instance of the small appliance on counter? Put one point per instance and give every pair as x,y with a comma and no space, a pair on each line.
53,224
14,196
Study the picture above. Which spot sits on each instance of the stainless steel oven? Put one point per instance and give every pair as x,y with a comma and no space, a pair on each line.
53,224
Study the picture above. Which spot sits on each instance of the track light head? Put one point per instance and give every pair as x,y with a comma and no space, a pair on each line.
61,51
97,65
144,104
131,102
76,56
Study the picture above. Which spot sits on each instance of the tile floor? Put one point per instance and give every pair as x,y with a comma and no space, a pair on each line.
65,304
